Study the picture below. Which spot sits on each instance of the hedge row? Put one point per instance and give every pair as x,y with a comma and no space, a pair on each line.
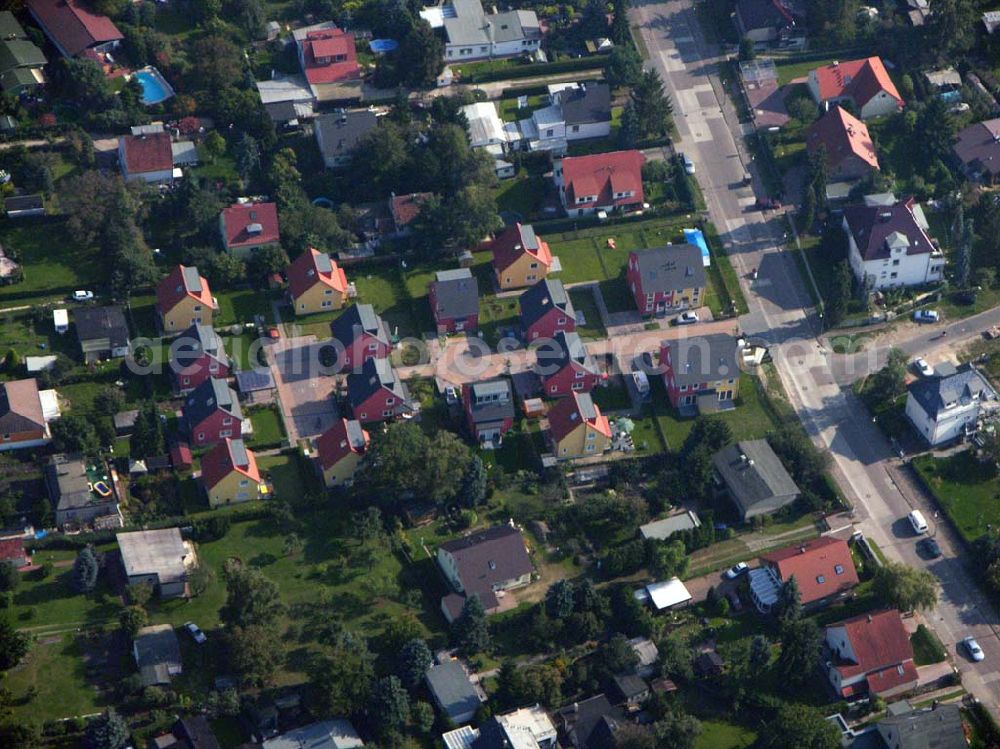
535,69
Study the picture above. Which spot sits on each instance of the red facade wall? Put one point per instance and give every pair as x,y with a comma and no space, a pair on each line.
548,325
562,382
213,428
196,373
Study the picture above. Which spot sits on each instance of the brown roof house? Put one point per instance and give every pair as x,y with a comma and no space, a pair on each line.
870,654
22,416
822,568
977,151
485,564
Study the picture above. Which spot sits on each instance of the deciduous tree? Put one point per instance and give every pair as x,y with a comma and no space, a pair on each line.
85,570
13,645
107,731
470,632
251,598
414,660
906,588
800,651
797,726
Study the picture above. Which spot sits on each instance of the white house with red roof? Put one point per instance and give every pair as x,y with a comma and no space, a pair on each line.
870,654
316,283
822,567
246,226
73,28
329,62
600,182
148,157
864,83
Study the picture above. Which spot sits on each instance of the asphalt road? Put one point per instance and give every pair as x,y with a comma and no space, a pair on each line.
780,313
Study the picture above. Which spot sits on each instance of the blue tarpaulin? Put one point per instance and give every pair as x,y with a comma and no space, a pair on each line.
695,237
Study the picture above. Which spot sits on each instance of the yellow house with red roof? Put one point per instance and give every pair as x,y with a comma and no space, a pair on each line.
339,451
316,283
520,257
577,428
229,474
183,299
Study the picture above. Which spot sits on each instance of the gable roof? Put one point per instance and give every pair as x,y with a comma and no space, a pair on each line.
405,208
457,294
314,267
540,299
68,485
812,561
579,408
485,558
72,26
338,134
9,26
227,457
489,401
452,688
94,323
328,734
329,56
345,437
197,731
978,145
151,152
842,135
666,527
859,80
210,396
877,229
250,224
21,407
359,319
764,14
375,375
518,240
197,341
703,358
936,727
961,387
586,722
880,642
183,281
562,350
585,104
602,175
670,268
753,473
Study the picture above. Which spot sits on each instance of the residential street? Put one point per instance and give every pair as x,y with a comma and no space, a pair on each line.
780,313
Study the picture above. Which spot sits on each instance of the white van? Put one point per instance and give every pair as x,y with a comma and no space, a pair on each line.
917,521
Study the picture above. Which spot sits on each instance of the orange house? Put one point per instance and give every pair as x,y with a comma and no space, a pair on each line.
520,257
316,283
184,299
340,450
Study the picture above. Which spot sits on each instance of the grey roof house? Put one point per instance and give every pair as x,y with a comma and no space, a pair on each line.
157,653
21,62
72,494
454,300
337,134
157,557
589,724
453,691
103,332
937,727
950,404
662,529
977,150
756,480
377,375
20,206
327,734
587,104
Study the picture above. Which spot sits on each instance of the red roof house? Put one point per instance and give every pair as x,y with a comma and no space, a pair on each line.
822,568
405,208
339,451
850,152
864,83
72,26
316,283
12,550
520,257
565,366
870,654
229,473
249,226
600,182
330,63
148,157
183,298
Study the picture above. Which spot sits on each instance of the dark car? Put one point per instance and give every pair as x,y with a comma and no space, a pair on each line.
768,204
931,548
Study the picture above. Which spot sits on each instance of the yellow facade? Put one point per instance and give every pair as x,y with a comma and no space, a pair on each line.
320,298
525,271
342,472
236,487
582,442
186,313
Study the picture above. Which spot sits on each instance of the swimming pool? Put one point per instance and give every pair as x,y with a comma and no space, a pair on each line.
154,86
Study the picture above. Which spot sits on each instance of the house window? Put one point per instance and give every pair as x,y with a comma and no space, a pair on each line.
226,422
533,266
578,385
213,368
196,308
363,415
390,401
328,292
373,347
386,414
245,482
554,389
548,132
576,128
201,436
562,321
684,388
579,375
839,569
820,579
590,435
187,380
590,448
895,262
326,304
225,433
530,277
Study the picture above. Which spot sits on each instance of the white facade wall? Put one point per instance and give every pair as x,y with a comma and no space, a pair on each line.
950,424
880,104
588,130
447,564
899,270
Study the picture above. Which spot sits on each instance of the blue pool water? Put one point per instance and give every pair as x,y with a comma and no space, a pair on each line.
154,88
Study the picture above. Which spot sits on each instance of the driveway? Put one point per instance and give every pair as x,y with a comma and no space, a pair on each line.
304,396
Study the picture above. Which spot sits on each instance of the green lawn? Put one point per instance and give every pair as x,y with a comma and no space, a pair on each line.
716,734
749,420
510,113
53,264
583,302
966,490
521,194
496,314
267,428
291,477
51,602
241,305
790,70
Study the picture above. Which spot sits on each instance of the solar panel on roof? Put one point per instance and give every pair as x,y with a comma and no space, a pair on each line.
323,264
192,280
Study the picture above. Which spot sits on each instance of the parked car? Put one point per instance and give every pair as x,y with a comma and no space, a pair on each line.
81,295
768,204
686,161
451,395
195,631
931,547
753,274
686,318
736,570
920,364
918,522
926,315
975,652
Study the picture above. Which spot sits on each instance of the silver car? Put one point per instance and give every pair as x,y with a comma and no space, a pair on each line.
975,652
